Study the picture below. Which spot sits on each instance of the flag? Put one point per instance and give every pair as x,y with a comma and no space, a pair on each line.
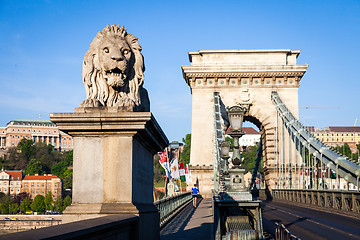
187,174
174,168
182,172
164,162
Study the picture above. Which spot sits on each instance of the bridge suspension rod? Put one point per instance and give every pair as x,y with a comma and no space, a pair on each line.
334,161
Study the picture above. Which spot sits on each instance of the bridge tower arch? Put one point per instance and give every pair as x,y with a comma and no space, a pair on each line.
246,78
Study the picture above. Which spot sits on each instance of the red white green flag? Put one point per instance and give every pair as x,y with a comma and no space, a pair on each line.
182,172
187,174
164,162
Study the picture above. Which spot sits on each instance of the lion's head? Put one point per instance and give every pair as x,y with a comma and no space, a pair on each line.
113,70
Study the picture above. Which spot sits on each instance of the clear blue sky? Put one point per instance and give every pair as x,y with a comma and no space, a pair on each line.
42,44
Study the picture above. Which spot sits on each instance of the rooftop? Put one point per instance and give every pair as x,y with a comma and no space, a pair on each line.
48,177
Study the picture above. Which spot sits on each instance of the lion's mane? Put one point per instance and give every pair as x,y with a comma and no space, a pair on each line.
98,91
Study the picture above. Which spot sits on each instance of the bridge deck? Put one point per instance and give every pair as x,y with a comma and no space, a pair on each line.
191,223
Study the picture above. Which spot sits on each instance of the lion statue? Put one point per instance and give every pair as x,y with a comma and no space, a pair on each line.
113,71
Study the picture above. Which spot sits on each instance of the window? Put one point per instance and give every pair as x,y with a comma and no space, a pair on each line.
18,190
38,185
18,183
55,191
69,145
64,144
32,191
42,185
32,184
26,184
37,191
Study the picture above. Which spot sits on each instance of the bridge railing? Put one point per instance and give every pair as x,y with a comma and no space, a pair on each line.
170,206
342,200
282,233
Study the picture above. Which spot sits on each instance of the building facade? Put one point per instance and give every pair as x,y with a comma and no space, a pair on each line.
10,182
35,185
14,182
335,135
36,130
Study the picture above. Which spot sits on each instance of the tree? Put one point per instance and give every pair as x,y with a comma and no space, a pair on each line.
20,197
231,140
67,201
68,178
25,205
5,205
38,205
59,205
14,208
34,167
49,201
185,154
249,159
27,148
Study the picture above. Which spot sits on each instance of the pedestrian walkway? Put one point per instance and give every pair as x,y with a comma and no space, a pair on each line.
191,223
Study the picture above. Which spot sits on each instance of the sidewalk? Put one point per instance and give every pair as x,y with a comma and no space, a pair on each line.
191,223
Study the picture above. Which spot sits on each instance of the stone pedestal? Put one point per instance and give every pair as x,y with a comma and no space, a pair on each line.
113,163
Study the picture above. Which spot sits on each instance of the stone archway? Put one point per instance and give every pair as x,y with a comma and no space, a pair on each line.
242,77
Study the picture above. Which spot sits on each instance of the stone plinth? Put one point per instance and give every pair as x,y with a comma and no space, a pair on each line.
113,162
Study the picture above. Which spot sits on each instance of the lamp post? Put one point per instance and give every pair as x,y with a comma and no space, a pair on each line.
236,116
225,149
237,183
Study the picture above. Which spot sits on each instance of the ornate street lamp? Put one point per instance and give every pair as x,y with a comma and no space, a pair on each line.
225,149
237,182
236,116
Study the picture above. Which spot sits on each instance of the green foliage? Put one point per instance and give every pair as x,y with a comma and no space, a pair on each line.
34,167
185,154
67,201
14,208
25,205
68,178
231,140
27,148
59,205
249,159
5,204
38,205
49,201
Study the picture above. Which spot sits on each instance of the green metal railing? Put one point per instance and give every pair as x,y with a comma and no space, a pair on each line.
170,206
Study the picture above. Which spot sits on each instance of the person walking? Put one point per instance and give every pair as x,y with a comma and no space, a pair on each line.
195,192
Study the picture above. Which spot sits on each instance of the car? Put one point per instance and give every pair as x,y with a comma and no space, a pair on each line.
6,218
13,218
29,212
49,218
